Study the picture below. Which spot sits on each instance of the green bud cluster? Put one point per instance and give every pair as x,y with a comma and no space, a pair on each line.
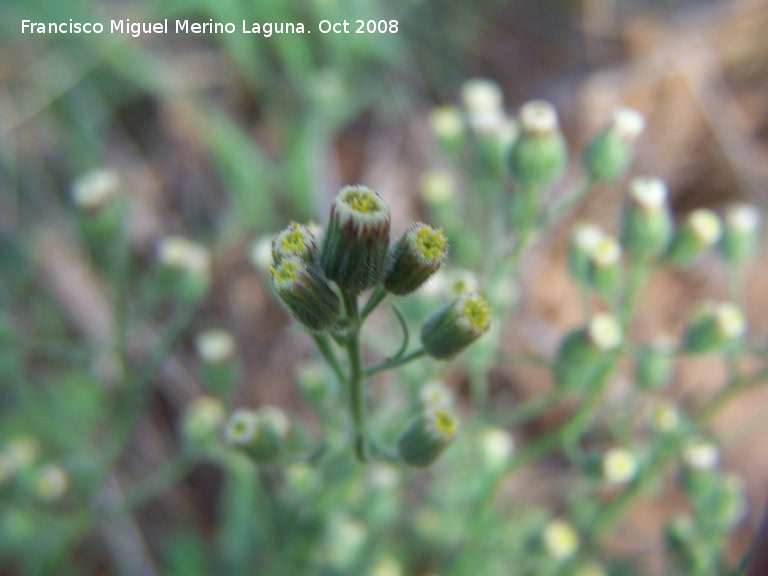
319,276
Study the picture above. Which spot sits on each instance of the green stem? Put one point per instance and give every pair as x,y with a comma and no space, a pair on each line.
377,296
394,362
567,433
324,345
614,509
149,487
571,198
732,389
531,408
355,376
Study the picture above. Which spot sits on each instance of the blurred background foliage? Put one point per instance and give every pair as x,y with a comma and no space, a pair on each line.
225,138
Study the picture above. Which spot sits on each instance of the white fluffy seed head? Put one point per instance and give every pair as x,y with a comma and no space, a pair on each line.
664,416
51,482
648,193
705,225
260,254
560,539
604,331
438,187
587,236
619,466
183,254
701,455
730,320
628,122
742,217
435,393
92,190
481,97
497,446
446,122
606,252
215,345
539,118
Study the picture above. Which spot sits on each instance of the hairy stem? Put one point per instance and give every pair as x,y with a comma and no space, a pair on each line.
355,382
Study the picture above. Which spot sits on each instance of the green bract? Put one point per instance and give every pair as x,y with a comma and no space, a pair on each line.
356,241
305,293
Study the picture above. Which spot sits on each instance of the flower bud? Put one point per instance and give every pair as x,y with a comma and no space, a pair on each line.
605,266
653,363
313,382
713,326
646,222
18,455
701,455
482,101
185,268
560,540
296,240
425,438
216,350
481,98
438,189
582,352
591,570
584,240
435,394
448,127
496,447
344,541
418,254
307,296
740,237
50,482
664,417
456,326
201,422
260,253
700,230
260,434
619,466
97,196
730,502
356,241
539,154
608,154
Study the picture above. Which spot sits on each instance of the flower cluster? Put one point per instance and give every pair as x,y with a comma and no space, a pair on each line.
319,275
